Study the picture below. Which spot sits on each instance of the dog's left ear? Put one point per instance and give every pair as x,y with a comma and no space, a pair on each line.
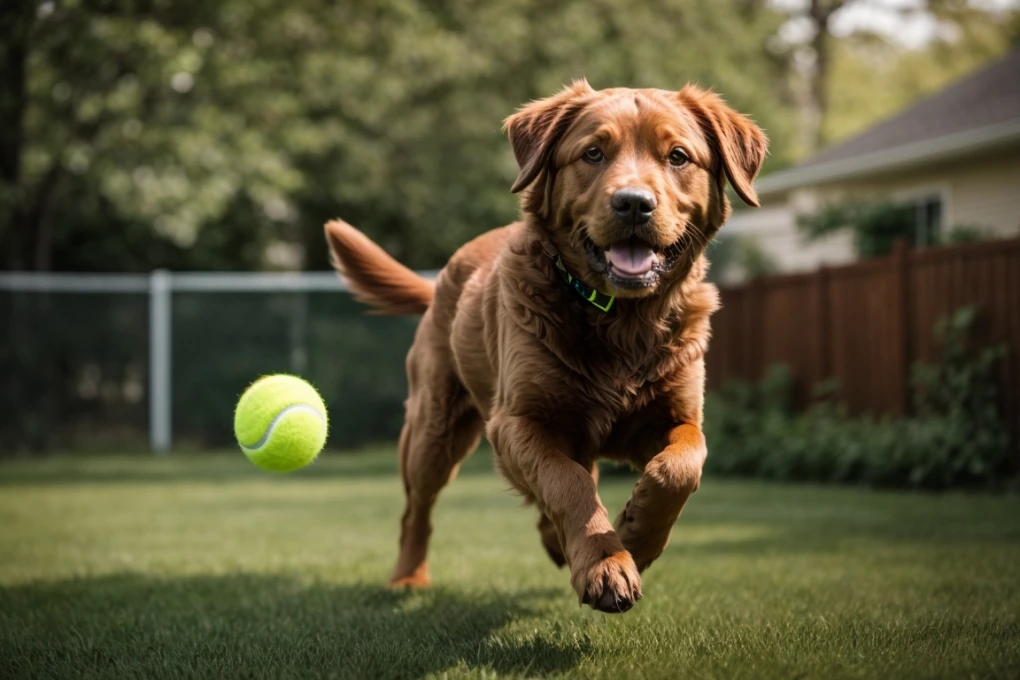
740,143
537,127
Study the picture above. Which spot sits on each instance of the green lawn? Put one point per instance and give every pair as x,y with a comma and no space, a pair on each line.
190,566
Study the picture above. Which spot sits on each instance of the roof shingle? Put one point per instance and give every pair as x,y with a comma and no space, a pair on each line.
976,113
986,97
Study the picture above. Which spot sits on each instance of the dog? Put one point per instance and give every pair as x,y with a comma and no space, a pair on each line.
576,333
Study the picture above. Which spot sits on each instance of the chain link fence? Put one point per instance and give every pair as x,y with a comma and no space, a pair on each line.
128,362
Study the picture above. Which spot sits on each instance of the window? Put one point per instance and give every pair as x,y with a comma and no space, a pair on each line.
927,219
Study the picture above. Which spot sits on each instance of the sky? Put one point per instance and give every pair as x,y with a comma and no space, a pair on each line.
898,20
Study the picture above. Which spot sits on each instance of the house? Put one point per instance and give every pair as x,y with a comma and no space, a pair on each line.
954,157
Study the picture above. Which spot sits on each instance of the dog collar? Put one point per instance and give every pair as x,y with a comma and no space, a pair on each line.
599,300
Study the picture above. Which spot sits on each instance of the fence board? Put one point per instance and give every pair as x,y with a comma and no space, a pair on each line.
867,323
790,309
864,352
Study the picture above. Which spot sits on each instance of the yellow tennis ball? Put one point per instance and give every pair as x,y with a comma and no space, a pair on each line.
280,423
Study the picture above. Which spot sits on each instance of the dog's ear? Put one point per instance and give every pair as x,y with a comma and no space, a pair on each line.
740,144
537,127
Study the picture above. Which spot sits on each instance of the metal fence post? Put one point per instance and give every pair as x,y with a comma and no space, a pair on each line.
160,290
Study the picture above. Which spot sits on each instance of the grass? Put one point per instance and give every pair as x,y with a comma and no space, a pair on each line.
203,566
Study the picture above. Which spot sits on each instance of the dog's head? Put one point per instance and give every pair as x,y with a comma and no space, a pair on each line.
629,184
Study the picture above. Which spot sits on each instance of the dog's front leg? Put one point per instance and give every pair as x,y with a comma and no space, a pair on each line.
534,459
668,481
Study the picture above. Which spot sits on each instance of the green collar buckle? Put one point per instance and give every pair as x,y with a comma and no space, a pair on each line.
598,299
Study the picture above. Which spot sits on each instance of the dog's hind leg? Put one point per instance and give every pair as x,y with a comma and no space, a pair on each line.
550,540
441,429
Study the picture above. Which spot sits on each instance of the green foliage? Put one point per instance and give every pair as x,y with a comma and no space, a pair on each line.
877,225
962,392
743,254
956,438
721,254
965,233
202,135
873,77
191,126
753,259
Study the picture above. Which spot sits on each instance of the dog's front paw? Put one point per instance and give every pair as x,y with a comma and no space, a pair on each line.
611,585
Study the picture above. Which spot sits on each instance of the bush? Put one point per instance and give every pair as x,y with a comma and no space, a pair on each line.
965,233
876,225
957,436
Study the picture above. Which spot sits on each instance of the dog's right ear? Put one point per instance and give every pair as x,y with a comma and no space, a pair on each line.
537,127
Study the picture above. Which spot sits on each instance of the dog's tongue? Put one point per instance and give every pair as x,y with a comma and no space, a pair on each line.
631,257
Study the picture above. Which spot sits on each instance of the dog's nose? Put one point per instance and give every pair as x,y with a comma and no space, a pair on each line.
633,206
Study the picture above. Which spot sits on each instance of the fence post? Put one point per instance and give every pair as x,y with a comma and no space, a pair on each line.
160,289
824,365
901,324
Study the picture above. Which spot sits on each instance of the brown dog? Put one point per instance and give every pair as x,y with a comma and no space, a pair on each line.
578,332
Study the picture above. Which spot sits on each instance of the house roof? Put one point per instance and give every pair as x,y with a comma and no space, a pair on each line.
978,112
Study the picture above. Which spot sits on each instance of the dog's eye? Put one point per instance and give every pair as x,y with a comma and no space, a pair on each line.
678,158
593,154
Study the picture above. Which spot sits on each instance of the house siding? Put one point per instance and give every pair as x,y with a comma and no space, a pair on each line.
987,194
774,228
980,191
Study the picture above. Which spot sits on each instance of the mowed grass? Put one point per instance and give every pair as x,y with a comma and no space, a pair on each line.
203,566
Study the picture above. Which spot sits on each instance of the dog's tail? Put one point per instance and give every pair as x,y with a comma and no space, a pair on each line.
373,276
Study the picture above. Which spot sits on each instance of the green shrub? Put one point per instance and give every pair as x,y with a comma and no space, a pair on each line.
956,438
963,234
876,225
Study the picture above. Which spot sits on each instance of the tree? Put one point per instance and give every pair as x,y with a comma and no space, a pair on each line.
98,111
193,134
847,74
16,18
807,34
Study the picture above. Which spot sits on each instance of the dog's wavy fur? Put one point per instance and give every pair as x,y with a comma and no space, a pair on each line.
505,349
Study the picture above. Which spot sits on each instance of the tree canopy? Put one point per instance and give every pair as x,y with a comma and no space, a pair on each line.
195,135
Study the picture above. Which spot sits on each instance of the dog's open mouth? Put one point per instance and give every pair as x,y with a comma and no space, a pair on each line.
632,262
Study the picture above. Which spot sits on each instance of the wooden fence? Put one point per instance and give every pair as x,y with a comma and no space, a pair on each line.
866,323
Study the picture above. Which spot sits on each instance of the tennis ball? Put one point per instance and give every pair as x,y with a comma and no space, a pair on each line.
280,423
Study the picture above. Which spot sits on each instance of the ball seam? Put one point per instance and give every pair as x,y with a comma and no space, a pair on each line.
251,448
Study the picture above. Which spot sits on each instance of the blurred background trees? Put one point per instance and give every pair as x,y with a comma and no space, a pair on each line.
192,135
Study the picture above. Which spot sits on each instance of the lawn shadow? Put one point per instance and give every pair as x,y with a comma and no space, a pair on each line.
782,542
215,468
804,536
265,626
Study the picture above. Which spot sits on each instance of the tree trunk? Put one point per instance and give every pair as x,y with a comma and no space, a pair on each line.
16,18
37,218
820,12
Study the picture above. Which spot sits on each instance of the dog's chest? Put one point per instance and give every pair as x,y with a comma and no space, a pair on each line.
619,388
614,390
